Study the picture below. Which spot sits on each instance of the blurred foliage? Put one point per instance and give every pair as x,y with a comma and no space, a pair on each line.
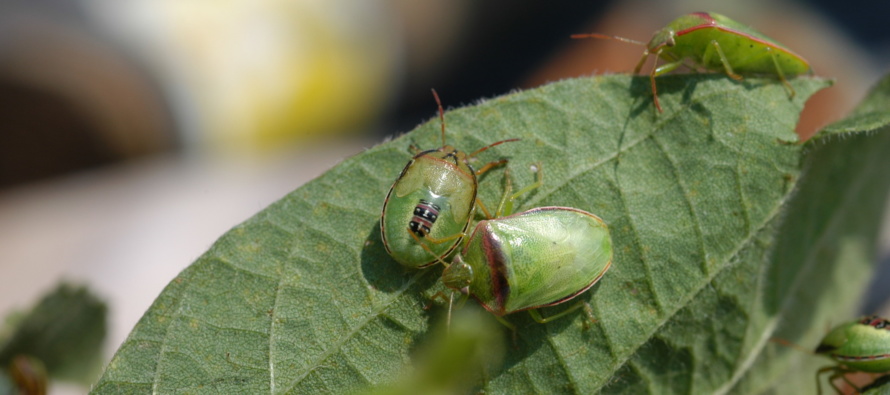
61,337
452,360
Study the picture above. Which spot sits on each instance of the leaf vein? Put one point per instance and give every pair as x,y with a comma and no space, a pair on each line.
686,199
774,213
336,345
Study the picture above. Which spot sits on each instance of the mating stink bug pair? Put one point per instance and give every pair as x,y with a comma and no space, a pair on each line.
509,263
858,346
713,42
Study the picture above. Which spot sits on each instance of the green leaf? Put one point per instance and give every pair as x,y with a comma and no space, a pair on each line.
871,115
719,238
64,332
825,252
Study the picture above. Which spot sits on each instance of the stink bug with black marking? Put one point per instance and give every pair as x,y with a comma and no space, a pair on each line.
431,204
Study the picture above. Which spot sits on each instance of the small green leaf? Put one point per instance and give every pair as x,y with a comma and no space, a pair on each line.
719,239
64,332
872,114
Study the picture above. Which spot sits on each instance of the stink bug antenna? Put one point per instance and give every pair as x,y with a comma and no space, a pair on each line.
607,37
491,145
442,118
792,345
441,115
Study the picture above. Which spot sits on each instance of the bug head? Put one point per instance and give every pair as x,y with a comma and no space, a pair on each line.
835,338
663,37
458,275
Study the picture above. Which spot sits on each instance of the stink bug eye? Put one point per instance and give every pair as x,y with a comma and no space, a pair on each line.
431,204
713,42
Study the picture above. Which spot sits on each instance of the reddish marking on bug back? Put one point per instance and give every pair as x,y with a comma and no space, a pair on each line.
711,23
495,258
704,15
875,322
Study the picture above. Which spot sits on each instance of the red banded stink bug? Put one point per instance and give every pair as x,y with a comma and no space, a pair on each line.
713,42
537,258
430,205
858,346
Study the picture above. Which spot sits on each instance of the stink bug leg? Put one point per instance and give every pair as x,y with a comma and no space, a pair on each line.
714,48
837,372
781,74
505,207
713,42
430,206
536,315
428,249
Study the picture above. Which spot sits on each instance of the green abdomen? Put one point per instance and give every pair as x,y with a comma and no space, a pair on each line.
537,258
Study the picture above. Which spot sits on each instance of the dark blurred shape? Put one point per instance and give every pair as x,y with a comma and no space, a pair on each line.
70,100
865,20
44,135
883,381
878,292
64,331
29,375
499,46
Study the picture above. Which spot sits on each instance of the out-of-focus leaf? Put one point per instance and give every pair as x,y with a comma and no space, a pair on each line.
64,331
454,358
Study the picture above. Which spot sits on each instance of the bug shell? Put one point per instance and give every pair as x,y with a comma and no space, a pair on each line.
537,258
862,345
437,180
747,50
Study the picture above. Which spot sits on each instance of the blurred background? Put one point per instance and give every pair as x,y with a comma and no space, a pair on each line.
133,134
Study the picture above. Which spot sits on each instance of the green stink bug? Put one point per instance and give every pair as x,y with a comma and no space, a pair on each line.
713,42
430,205
858,346
537,258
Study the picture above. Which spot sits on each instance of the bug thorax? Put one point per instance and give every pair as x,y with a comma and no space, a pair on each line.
458,275
835,338
449,155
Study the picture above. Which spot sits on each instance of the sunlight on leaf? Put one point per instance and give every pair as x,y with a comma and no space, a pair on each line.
718,237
